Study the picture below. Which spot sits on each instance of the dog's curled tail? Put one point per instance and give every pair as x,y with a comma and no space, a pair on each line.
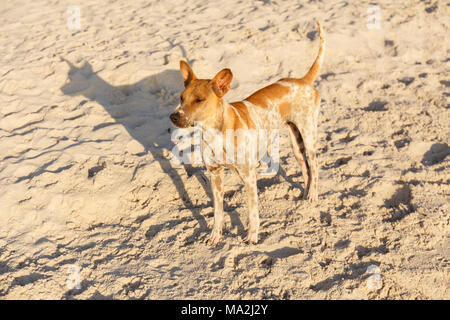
314,71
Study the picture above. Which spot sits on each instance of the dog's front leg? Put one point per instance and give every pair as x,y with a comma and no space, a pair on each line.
216,178
248,176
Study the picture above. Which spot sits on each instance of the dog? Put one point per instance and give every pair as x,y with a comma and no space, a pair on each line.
293,102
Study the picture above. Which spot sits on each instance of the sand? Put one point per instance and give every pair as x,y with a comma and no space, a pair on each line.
93,205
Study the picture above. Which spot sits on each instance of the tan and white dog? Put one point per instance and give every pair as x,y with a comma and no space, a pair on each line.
289,101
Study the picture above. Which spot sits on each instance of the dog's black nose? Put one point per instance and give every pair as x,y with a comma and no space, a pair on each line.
175,117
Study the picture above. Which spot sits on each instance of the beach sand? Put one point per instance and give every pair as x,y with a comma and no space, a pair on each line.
93,205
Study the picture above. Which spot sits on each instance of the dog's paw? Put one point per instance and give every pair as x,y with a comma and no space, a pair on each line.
214,238
252,237
313,197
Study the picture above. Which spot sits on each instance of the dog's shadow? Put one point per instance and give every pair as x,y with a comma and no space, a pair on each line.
143,108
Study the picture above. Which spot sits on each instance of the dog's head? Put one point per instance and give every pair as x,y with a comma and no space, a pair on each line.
201,99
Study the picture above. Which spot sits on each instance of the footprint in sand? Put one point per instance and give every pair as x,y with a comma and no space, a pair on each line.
437,153
406,80
400,203
402,143
445,83
376,105
391,50
431,9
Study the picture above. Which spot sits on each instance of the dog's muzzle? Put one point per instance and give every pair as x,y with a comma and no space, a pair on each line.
179,120
175,117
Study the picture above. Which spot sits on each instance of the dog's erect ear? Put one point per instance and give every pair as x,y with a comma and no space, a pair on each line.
221,82
186,72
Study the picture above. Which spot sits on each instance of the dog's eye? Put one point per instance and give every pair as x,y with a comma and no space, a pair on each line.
198,100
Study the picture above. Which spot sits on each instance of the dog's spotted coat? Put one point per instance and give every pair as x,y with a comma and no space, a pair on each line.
289,101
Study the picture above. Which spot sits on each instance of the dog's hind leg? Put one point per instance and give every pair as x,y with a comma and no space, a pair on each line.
298,146
313,193
309,133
